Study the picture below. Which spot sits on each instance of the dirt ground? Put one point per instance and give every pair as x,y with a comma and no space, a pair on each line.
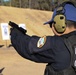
33,19
16,65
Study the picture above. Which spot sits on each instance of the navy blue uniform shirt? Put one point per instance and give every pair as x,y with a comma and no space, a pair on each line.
53,52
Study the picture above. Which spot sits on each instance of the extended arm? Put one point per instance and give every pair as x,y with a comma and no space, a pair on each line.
26,46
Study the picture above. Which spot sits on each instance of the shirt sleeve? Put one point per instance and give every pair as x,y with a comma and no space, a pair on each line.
26,46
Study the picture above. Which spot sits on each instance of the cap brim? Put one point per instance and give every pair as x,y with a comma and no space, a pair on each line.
49,22
52,19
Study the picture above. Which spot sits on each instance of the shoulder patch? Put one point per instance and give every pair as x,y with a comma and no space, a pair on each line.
41,42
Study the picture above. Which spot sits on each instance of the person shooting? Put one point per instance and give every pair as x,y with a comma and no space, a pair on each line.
58,51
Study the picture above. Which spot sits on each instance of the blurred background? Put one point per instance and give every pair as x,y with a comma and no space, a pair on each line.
34,4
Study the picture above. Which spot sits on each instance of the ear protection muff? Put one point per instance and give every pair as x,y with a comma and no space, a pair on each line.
60,18
59,23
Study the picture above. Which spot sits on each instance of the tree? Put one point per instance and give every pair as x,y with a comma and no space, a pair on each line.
34,4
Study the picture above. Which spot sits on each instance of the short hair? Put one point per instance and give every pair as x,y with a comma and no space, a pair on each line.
71,24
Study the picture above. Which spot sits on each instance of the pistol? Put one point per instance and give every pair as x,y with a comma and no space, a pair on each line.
14,25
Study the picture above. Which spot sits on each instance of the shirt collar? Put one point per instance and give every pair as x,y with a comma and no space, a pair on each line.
69,34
